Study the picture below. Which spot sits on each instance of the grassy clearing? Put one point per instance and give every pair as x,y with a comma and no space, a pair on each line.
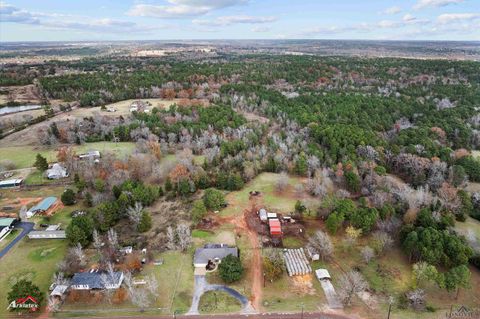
218,302
35,260
24,156
274,200
176,279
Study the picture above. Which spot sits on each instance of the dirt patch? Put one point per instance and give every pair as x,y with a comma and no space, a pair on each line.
225,237
10,207
302,284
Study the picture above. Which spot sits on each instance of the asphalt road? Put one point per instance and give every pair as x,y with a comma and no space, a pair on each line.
26,228
306,315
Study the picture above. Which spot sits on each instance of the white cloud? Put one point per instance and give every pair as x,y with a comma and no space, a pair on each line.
13,14
260,29
410,19
388,24
421,4
182,8
229,20
457,17
392,10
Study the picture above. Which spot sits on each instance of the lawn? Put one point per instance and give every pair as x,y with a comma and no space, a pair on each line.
283,202
35,260
176,279
24,156
218,302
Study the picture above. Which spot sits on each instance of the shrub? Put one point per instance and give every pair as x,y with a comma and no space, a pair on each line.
213,199
145,222
68,197
230,269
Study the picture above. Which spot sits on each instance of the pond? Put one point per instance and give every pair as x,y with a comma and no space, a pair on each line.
21,108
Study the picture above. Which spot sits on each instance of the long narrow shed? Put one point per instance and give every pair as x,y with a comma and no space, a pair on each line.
275,227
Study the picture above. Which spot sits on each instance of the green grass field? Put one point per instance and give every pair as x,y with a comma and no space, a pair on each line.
265,183
218,302
35,260
24,156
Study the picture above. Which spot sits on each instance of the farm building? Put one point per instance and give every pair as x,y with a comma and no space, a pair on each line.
212,253
275,227
95,279
296,262
47,234
6,222
90,154
10,183
57,171
42,207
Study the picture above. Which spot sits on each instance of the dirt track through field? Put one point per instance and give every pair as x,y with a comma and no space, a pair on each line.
255,274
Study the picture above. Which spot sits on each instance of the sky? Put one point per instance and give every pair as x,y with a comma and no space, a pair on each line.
97,20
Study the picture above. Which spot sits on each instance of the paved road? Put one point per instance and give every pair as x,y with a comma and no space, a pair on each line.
201,286
26,228
306,315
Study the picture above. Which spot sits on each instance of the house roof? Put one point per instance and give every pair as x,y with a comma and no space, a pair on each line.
44,205
275,226
94,279
11,182
6,222
57,170
59,290
322,274
210,252
60,234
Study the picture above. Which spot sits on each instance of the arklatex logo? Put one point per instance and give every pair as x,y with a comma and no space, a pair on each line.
24,303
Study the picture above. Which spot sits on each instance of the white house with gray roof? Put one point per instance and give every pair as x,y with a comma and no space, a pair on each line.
212,253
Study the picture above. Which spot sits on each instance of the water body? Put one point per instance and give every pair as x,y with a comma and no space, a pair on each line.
21,108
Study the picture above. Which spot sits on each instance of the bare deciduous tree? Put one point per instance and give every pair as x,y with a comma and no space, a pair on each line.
152,286
97,240
367,254
382,241
350,284
321,242
282,182
135,213
112,238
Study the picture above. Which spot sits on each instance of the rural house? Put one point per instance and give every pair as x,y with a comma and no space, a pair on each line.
57,171
212,254
95,279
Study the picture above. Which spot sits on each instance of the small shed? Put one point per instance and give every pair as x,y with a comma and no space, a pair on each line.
272,215
262,213
59,291
322,274
275,227
10,183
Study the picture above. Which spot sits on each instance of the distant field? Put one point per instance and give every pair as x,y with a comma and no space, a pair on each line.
24,156
123,107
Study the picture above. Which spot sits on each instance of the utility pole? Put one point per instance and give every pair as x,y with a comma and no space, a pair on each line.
390,303
302,309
